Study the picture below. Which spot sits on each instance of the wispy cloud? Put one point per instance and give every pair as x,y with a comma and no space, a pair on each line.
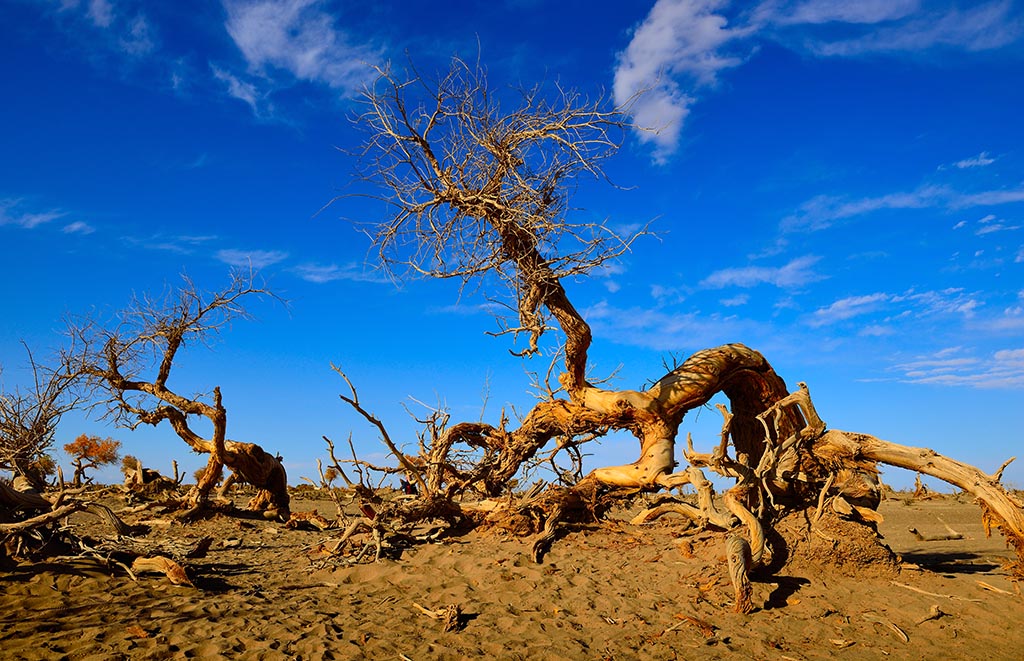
988,198
796,273
78,227
880,314
981,160
324,273
13,212
183,244
120,28
823,211
682,47
991,224
950,301
101,13
954,367
257,259
846,308
662,294
663,330
816,12
243,91
735,301
985,27
137,38
299,38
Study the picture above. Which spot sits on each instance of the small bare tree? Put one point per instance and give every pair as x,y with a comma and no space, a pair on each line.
130,365
28,422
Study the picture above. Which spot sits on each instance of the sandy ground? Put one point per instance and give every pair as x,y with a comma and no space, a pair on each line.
604,591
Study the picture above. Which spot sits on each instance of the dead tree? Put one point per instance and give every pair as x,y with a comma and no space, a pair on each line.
480,192
29,418
116,360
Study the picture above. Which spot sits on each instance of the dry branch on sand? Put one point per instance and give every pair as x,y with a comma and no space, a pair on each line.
34,526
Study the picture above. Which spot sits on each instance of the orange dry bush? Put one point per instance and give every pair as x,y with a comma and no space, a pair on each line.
89,452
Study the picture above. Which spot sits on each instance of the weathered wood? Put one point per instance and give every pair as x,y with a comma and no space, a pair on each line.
42,519
737,553
1000,508
12,500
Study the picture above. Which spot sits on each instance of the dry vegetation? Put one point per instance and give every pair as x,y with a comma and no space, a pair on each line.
481,195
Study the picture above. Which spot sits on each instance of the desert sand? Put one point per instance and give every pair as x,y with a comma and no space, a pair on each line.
608,590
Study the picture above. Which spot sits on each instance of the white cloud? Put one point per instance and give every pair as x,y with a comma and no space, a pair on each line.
823,211
1014,357
682,47
984,27
137,37
300,38
666,331
988,198
835,11
796,273
1003,369
735,301
12,213
909,314
257,259
991,228
129,32
679,38
324,273
662,294
241,90
944,302
79,227
184,244
978,161
846,308
876,330
101,13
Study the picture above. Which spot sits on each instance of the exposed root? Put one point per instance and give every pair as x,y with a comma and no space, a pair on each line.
737,552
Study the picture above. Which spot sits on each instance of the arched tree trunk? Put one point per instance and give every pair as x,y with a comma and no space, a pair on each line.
248,460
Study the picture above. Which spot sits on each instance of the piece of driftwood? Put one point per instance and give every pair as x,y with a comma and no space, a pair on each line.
174,572
450,616
934,538
43,519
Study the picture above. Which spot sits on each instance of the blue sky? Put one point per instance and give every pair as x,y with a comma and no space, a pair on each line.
839,185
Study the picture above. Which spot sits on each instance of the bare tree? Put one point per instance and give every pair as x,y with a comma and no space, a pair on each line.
477,191
130,365
29,419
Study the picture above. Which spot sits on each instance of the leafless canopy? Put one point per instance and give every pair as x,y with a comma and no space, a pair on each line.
475,189
146,337
119,362
29,417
